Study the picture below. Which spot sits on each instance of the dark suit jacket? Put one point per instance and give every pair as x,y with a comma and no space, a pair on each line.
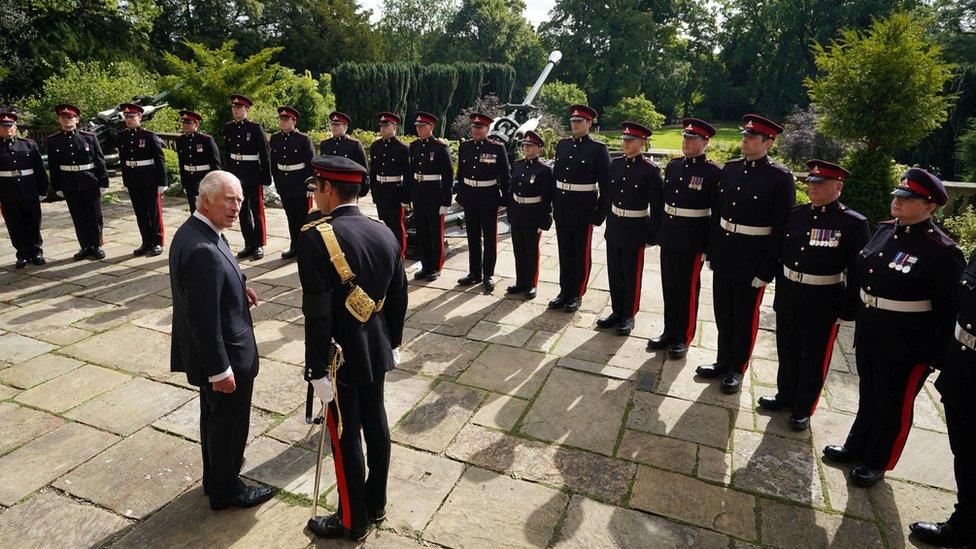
212,326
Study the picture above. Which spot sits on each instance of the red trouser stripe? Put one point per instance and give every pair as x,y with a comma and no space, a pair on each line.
755,329
907,411
309,205
440,244
586,260
828,352
693,299
403,233
538,258
162,226
637,281
340,471
264,232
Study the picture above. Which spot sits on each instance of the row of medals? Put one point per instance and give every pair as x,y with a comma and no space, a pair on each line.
902,262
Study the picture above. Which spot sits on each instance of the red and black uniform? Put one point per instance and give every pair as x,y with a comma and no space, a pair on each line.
389,170
23,184
248,158
143,174
431,176
198,156
529,213
291,165
483,186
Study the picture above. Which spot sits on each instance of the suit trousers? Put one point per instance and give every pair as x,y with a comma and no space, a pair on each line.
224,422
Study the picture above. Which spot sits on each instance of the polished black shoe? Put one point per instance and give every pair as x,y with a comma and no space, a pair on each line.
514,289
141,250
838,454
657,343
710,371
245,253
96,253
258,253
252,496
677,351
609,321
469,280
420,275
941,534
154,251
330,527
82,254
866,477
770,403
626,326
290,253
374,516
530,293
433,275
38,259
732,383
21,263
557,302
489,284
572,305
799,423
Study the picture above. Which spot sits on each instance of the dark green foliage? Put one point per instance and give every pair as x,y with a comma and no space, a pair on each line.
432,91
499,81
867,189
362,90
470,78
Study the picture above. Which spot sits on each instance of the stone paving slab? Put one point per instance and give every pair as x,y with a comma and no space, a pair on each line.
70,390
454,314
20,425
38,370
185,422
51,319
783,525
438,354
280,341
51,519
129,312
131,406
289,468
681,419
500,412
418,484
279,387
662,452
507,370
776,466
18,348
138,350
435,421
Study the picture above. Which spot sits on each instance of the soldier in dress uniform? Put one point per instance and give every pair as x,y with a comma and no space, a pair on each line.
291,165
690,186
341,144
483,187
198,155
247,150
431,176
755,195
636,191
389,167
78,173
581,201
144,176
908,275
23,184
529,212
820,244
354,293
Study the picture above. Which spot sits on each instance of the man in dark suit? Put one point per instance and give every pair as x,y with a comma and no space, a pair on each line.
213,338
354,295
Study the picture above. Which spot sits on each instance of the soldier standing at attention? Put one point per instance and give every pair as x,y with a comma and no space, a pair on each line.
198,155
431,176
529,212
389,167
821,243
755,195
635,189
247,150
23,184
341,144
144,176
483,176
78,173
690,186
581,201
291,165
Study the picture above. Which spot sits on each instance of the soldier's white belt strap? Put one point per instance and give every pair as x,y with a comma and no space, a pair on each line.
527,199
138,163
77,167
964,337
480,182
686,212
17,173
389,178
198,168
620,212
243,157
745,229
291,167
426,177
813,280
922,306
581,187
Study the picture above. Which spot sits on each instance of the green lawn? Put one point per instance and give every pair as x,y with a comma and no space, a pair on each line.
669,137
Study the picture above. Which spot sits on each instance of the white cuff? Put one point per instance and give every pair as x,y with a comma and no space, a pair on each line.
396,356
309,194
160,189
758,282
221,376
445,209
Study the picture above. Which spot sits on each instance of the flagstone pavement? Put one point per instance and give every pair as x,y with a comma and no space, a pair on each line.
513,425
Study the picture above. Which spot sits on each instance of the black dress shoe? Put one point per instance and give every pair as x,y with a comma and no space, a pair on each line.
141,250
771,403
572,305
489,284
941,534
469,280
710,371
626,326
420,275
82,254
558,302
251,496
21,263
677,351
839,454
514,289
245,253
866,477
290,253
732,383
657,343
609,321
38,259
96,253
258,253
330,527
799,423
378,515
154,251
433,275
530,293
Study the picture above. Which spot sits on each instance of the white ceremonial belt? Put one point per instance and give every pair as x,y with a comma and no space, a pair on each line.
686,212
291,167
17,173
922,306
137,163
620,212
426,177
745,229
582,187
964,337
77,167
813,280
527,199
389,178
241,157
198,168
480,182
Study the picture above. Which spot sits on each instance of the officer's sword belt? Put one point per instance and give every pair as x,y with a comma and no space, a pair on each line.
138,163
811,279
578,187
77,167
480,182
389,178
197,168
527,199
964,337
621,212
750,230
247,157
16,173
291,167
426,177
921,306
686,212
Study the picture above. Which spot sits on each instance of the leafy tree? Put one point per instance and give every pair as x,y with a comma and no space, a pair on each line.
966,151
410,27
555,97
801,141
636,109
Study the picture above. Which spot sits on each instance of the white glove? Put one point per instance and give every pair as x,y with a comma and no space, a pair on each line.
758,282
396,356
160,189
444,210
102,190
323,389
309,194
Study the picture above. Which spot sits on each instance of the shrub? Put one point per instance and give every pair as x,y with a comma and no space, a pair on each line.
867,190
636,109
962,228
802,141
966,151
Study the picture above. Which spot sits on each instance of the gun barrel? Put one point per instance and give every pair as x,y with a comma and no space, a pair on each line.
554,58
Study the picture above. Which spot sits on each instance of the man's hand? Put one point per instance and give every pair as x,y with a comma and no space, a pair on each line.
252,296
323,389
758,282
226,385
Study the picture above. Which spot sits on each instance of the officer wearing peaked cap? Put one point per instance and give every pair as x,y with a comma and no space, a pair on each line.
291,165
342,144
144,176
389,169
198,155
529,212
23,184
908,275
248,159
430,178
816,287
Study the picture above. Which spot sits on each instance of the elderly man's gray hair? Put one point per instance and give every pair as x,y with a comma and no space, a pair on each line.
211,184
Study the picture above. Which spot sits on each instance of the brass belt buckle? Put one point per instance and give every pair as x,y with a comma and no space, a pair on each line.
359,304
795,276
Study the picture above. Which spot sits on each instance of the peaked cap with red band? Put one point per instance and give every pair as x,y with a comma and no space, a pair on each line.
238,99
67,108
337,168
423,117
480,119
190,115
388,117
131,108
821,170
289,111
8,117
759,125
582,111
693,127
336,116
918,183
533,138
633,130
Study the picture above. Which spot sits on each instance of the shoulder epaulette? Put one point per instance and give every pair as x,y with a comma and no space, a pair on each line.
229,122
939,237
885,222
733,160
853,213
650,161
83,132
316,223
